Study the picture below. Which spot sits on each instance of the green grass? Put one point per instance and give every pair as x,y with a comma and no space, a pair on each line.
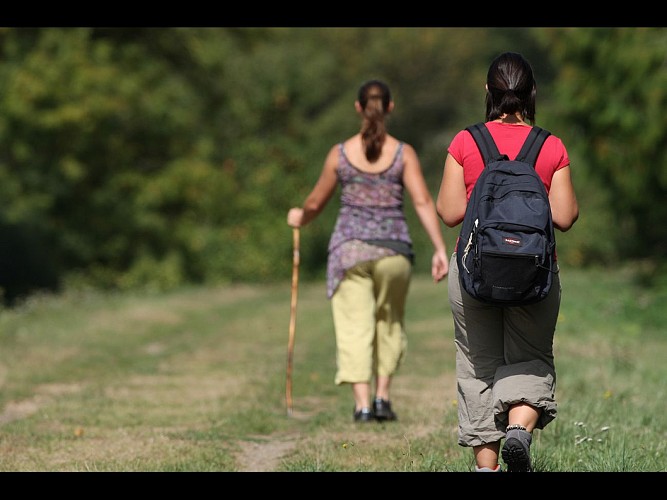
195,380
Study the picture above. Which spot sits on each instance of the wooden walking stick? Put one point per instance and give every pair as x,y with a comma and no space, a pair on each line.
292,318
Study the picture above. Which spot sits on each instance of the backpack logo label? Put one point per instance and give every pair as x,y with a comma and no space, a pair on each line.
512,241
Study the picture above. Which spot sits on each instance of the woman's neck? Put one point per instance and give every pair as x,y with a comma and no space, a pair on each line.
516,118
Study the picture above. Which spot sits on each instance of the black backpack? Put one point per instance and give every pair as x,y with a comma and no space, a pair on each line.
506,247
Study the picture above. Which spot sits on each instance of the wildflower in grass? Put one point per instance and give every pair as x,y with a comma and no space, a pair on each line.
578,439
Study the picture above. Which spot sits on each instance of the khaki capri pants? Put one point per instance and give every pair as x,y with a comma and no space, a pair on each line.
368,314
504,355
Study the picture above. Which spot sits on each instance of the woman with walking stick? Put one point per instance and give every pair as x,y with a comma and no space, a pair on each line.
370,251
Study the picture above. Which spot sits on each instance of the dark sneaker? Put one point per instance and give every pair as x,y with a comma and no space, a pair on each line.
364,415
382,409
516,451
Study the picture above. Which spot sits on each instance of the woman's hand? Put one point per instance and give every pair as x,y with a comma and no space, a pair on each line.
295,216
439,266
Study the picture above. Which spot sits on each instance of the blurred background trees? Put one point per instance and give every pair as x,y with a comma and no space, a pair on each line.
158,157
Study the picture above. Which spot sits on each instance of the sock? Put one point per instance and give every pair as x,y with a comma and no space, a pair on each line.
487,469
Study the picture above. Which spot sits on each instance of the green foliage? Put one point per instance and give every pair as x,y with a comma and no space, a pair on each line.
614,84
155,157
84,138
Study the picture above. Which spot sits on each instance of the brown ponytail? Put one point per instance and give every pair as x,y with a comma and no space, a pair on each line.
374,98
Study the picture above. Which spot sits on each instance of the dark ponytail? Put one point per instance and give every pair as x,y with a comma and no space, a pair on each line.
374,98
510,87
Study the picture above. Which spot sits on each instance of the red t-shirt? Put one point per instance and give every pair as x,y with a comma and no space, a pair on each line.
509,138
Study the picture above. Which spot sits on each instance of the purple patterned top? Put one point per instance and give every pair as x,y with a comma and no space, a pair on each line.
371,223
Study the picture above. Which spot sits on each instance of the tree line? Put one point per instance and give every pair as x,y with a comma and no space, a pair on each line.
151,158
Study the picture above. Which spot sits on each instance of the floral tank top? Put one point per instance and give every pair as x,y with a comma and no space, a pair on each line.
371,223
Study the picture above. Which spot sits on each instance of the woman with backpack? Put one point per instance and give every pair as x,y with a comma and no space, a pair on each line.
370,250
505,370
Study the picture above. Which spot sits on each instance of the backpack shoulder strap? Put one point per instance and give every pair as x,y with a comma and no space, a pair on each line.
531,148
485,143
